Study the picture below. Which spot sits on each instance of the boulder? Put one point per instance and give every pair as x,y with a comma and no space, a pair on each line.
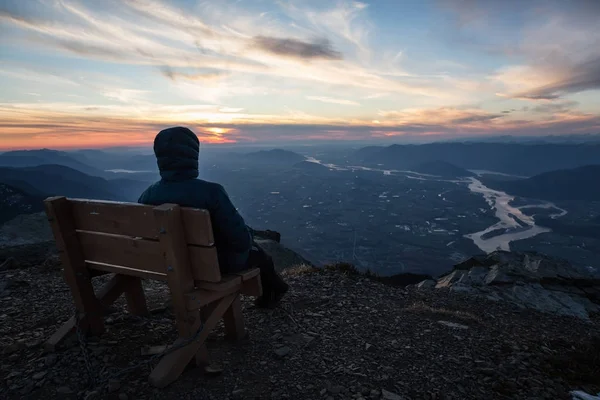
529,280
426,284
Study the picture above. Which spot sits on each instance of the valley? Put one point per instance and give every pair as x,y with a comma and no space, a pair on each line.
329,207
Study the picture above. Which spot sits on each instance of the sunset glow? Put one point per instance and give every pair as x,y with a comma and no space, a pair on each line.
83,73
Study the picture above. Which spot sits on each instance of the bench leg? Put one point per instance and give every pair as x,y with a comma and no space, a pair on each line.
136,301
234,321
173,364
106,296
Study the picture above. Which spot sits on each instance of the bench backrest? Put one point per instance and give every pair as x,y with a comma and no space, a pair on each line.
128,238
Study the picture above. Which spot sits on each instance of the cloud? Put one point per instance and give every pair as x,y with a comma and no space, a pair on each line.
95,125
556,42
376,95
318,49
573,79
333,100
201,76
154,33
560,107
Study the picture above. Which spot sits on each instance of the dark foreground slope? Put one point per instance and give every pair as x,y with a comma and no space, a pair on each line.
335,336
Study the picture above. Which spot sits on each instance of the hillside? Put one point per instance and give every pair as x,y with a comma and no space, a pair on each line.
58,180
574,184
512,158
311,167
14,201
336,335
34,158
50,180
441,168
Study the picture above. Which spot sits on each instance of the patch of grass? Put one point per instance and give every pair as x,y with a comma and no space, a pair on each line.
299,270
342,267
422,308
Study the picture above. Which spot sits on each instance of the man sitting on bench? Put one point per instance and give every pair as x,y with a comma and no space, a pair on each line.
176,151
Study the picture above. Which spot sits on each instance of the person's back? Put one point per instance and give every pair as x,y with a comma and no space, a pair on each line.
176,152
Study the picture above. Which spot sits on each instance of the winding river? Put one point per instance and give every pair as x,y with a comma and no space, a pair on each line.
512,224
507,216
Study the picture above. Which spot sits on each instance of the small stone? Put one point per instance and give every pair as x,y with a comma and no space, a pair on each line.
28,388
237,392
92,395
50,360
282,351
64,390
389,395
368,346
40,375
453,325
123,396
13,348
323,391
337,389
114,385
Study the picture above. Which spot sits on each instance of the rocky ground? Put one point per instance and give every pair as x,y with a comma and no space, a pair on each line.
528,280
335,336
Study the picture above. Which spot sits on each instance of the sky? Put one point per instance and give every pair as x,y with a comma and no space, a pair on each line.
88,73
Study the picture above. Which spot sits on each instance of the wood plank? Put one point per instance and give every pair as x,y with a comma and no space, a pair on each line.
58,210
252,287
112,289
248,274
201,297
234,321
173,364
134,294
204,263
132,219
227,282
144,254
179,272
106,296
60,334
126,251
118,269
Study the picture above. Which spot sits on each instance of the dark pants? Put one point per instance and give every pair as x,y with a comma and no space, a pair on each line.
259,258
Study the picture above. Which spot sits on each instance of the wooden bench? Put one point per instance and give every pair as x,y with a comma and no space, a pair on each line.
134,241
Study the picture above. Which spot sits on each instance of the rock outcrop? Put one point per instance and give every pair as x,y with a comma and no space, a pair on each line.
530,280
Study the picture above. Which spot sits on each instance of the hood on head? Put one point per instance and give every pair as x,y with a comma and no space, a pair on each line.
176,151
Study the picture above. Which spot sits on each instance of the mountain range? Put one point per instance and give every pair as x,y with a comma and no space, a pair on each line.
582,183
510,158
34,158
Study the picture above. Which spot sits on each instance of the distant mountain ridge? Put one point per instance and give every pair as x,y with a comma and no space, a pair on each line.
34,158
275,156
581,183
58,180
512,158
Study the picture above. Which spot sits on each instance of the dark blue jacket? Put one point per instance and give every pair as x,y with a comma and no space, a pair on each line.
176,152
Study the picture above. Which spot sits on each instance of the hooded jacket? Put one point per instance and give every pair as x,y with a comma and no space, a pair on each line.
176,151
